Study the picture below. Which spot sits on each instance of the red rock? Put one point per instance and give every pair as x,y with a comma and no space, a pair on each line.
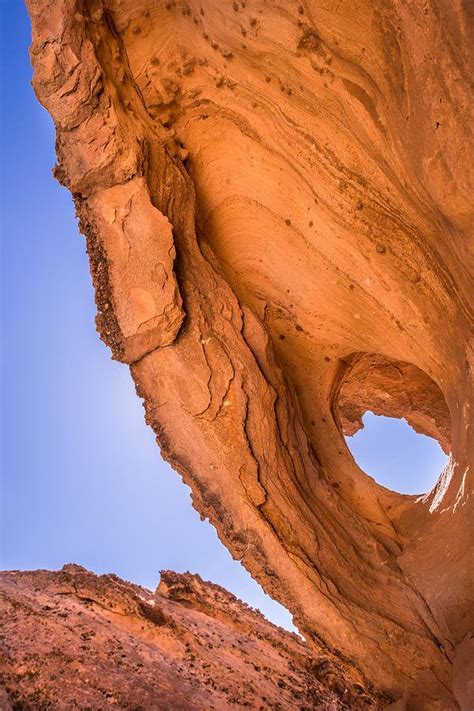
319,219
71,639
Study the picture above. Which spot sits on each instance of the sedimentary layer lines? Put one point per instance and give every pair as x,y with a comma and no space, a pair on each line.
270,191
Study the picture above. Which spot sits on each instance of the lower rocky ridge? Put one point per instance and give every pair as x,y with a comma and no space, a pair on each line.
75,640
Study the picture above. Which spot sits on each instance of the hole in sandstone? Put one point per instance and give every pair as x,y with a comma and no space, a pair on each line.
396,456
395,419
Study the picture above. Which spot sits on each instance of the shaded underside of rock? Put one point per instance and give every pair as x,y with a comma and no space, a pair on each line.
277,202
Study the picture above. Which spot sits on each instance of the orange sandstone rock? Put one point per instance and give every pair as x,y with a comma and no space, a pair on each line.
277,201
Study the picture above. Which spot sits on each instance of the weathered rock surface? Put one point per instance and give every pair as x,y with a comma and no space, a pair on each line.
74,640
277,201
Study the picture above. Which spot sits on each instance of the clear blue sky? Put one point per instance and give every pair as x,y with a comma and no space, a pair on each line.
396,456
82,478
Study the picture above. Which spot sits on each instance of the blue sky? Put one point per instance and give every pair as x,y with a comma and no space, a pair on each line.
82,478
396,456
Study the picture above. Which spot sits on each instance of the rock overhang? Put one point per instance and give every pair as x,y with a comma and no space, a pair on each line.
268,196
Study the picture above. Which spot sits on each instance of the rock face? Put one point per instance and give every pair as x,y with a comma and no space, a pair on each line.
72,640
277,201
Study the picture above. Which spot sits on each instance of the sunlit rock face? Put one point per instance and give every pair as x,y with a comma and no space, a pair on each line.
72,639
277,201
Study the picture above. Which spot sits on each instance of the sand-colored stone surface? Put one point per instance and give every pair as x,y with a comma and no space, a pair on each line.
277,201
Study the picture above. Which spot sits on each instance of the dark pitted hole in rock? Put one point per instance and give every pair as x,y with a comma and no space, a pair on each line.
395,420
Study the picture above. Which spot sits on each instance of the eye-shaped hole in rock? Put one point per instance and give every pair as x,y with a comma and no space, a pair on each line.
396,456
406,454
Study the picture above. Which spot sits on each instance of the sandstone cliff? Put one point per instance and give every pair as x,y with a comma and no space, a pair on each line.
73,640
277,202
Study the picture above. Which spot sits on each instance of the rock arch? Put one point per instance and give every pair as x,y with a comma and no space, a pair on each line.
265,188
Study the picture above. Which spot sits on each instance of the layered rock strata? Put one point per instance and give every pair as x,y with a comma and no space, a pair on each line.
277,202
